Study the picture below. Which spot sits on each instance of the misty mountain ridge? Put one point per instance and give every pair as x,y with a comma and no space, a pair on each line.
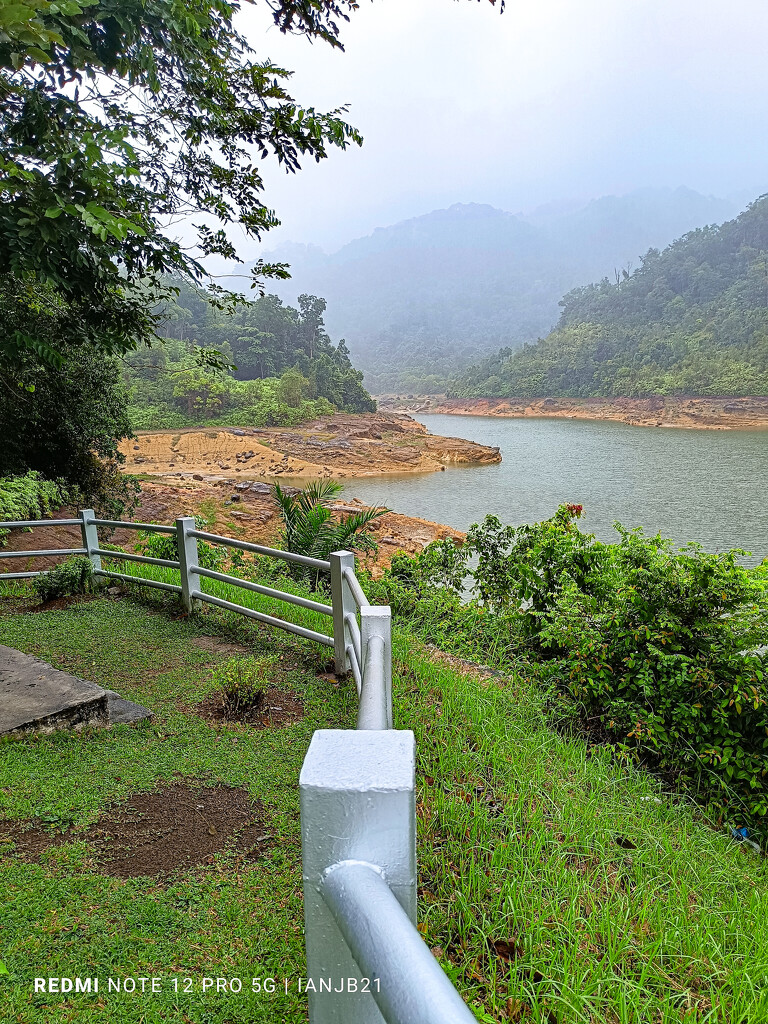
690,320
418,299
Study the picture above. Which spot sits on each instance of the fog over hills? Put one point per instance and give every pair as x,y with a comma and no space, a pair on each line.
419,299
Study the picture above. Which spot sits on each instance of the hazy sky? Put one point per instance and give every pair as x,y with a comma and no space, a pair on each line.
551,100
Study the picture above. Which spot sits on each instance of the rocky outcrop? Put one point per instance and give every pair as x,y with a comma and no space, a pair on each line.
340,446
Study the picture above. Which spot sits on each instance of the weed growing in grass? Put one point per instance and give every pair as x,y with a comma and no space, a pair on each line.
243,682
207,510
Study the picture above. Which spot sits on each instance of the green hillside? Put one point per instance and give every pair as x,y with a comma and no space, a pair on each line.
690,320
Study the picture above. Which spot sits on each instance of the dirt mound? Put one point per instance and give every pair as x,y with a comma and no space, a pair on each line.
156,834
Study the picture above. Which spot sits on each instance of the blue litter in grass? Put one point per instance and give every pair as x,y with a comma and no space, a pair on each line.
741,835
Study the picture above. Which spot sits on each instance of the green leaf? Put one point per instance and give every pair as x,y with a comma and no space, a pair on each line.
39,55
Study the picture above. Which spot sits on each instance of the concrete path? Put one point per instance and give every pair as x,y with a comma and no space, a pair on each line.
35,697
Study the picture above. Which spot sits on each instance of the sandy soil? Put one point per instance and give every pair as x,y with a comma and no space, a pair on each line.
708,413
340,446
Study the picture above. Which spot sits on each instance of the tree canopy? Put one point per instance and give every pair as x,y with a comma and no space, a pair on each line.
286,368
118,117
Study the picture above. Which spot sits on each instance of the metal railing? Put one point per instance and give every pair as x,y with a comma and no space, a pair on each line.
366,961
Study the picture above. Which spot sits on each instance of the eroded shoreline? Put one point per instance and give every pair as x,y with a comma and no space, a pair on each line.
340,446
692,413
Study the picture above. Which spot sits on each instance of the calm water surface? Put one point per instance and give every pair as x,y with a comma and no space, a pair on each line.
705,485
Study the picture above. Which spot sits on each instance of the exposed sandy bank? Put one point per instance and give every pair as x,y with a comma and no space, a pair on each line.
340,446
707,413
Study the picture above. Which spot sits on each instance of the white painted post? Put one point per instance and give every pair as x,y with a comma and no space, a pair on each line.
343,604
358,803
90,535
187,548
376,621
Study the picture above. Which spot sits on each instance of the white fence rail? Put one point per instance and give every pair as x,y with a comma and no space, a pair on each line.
366,961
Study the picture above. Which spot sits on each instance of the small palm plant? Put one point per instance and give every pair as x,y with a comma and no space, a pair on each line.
309,527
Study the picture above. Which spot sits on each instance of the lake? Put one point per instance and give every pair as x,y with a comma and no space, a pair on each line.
710,486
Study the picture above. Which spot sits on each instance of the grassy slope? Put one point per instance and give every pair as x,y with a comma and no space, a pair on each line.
517,846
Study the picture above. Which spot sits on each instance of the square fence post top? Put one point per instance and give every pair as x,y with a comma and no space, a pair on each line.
361,761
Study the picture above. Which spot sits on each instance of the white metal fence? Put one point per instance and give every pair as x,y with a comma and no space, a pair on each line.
366,961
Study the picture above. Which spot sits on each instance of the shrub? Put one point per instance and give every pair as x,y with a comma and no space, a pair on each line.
243,682
103,487
28,497
75,576
163,545
651,641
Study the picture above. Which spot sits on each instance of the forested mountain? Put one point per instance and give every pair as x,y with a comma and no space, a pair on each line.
418,299
690,320
282,357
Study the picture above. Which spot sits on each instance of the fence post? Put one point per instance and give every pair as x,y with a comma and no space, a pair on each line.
343,604
187,548
90,535
376,621
357,793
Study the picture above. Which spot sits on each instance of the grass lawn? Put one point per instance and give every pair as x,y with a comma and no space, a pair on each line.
555,884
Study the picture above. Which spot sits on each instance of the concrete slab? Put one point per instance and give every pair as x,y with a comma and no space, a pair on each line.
35,697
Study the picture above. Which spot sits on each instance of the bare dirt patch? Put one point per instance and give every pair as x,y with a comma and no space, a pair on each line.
272,709
156,834
339,445
216,646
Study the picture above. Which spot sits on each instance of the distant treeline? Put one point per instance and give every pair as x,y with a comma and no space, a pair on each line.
277,366
690,320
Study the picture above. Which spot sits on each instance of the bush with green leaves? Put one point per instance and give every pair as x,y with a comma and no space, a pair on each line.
651,641
655,643
242,683
163,545
28,497
75,576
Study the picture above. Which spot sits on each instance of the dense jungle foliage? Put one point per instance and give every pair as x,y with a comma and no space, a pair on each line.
656,649
277,367
691,320
28,497
115,118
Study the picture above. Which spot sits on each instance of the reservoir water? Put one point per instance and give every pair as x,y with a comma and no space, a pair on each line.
709,486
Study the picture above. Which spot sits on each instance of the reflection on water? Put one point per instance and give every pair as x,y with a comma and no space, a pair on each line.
704,485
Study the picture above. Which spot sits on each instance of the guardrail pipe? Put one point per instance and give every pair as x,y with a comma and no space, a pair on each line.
187,548
358,803
90,535
376,622
343,604
411,984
